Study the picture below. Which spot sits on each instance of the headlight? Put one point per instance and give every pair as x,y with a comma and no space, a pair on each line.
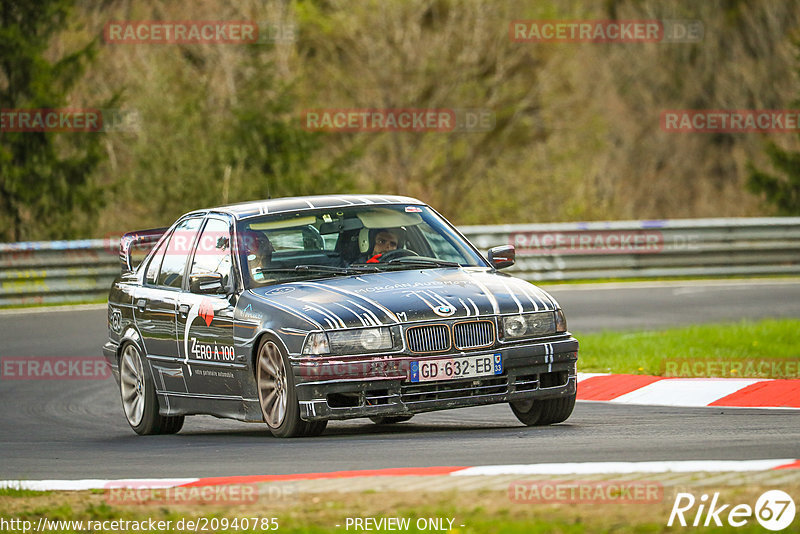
514,326
529,325
375,339
364,340
359,341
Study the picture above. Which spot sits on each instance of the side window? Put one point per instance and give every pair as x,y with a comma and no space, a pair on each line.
176,253
213,254
151,277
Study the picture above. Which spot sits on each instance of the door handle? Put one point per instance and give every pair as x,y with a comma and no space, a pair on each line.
184,310
141,304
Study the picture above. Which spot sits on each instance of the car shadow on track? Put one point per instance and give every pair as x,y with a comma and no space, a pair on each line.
350,429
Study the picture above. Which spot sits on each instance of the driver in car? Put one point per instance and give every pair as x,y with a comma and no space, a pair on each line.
386,240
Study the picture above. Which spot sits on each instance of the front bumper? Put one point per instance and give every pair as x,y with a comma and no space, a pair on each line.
369,386
110,353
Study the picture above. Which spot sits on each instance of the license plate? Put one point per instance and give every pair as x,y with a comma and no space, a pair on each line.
451,368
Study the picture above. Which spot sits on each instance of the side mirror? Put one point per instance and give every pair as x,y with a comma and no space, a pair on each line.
206,283
502,256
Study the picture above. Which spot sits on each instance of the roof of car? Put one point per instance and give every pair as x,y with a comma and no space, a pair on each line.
281,205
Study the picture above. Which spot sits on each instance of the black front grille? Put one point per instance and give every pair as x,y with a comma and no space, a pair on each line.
454,389
473,335
428,338
526,382
416,392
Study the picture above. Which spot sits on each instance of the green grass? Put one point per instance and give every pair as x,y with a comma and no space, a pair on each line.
647,352
13,492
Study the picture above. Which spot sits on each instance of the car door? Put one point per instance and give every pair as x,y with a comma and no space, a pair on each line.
205,319
156,306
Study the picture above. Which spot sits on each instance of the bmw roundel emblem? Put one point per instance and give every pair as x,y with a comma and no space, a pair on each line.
445,310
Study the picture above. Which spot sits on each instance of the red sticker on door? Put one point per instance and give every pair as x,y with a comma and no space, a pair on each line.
206,311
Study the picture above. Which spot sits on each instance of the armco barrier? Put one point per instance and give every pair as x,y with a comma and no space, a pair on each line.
630,249
57,271
70,271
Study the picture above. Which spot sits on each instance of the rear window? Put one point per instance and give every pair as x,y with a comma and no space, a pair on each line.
177,251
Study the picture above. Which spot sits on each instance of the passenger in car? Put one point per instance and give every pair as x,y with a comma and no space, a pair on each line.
258,251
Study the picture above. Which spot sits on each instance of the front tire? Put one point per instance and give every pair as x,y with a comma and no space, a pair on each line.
277,396
138,396
544,411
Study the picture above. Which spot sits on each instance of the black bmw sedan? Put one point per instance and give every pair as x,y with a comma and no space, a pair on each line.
296,311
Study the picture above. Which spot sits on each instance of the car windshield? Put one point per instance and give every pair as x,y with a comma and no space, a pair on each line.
344,241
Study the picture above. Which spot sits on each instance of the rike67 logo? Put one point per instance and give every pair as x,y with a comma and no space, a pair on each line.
774,510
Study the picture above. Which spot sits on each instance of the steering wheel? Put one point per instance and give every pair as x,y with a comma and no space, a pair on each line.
395,254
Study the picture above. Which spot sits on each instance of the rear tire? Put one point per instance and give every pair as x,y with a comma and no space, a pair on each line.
277,396
544,411
138,394
389,419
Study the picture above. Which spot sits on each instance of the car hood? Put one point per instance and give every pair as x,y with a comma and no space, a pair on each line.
402,296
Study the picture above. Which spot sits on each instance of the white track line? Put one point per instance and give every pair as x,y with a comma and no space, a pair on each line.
94,483
602,468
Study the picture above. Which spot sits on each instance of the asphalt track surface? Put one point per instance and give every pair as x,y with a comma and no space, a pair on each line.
76,429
